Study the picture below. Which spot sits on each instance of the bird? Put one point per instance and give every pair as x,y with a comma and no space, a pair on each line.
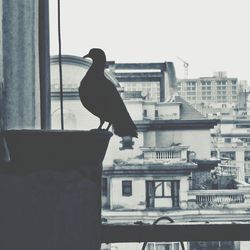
100,96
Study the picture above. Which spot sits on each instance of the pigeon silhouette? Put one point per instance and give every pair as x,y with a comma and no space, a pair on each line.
100,96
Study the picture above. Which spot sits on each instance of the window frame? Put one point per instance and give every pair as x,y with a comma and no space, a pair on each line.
127,184
104,186
175,198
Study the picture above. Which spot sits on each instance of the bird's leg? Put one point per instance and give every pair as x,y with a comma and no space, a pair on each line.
101,123
109,126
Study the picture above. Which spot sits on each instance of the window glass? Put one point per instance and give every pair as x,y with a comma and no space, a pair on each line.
167,188
230,154
126,188
158,188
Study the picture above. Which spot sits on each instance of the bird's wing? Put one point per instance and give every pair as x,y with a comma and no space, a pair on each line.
116,111
114,104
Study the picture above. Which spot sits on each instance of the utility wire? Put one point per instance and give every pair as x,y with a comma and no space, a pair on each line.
60,63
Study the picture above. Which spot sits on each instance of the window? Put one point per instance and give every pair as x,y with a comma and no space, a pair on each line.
162,194
126,188
163,246
245,139
214,153
243,126
247,155
227,140
229,154
145,113
156,113
104,186
222,245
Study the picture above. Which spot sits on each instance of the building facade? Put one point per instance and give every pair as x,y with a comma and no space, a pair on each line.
173,175
151,81
231,141
216,89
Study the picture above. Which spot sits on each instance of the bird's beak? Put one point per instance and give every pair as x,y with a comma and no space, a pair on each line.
85,56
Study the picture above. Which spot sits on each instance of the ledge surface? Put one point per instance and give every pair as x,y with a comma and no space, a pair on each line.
56,148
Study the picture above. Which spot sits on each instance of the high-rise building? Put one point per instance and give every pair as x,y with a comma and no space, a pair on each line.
209,90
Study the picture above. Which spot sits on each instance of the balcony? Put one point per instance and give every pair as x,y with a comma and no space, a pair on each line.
213,199
169,154
226,169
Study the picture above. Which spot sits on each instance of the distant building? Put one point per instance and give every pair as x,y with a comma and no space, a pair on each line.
216,89
154,81
231,141
216,95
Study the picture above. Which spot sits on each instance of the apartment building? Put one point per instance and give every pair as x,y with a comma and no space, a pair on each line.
216,89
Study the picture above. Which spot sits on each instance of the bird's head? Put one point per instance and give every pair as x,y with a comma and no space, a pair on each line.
97,55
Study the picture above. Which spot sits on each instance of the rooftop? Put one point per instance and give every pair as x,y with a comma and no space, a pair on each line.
142,169
187,111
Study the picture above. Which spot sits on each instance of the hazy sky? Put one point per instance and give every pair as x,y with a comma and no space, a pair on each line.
211,35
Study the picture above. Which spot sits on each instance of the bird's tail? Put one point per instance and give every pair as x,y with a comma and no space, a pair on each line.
125,129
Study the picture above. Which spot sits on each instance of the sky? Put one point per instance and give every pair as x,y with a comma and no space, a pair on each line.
211,35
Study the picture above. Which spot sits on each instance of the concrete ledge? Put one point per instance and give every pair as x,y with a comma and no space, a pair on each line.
50,191
55,148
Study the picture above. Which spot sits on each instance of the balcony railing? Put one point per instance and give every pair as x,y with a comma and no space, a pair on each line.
217,198
172,153
167,154
229,170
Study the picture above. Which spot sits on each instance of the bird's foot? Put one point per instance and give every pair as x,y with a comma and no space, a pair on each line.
109,126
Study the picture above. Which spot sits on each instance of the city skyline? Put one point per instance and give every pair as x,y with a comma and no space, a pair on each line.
210,35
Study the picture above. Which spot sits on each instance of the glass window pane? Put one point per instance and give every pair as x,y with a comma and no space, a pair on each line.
167,188
158,188
126,188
